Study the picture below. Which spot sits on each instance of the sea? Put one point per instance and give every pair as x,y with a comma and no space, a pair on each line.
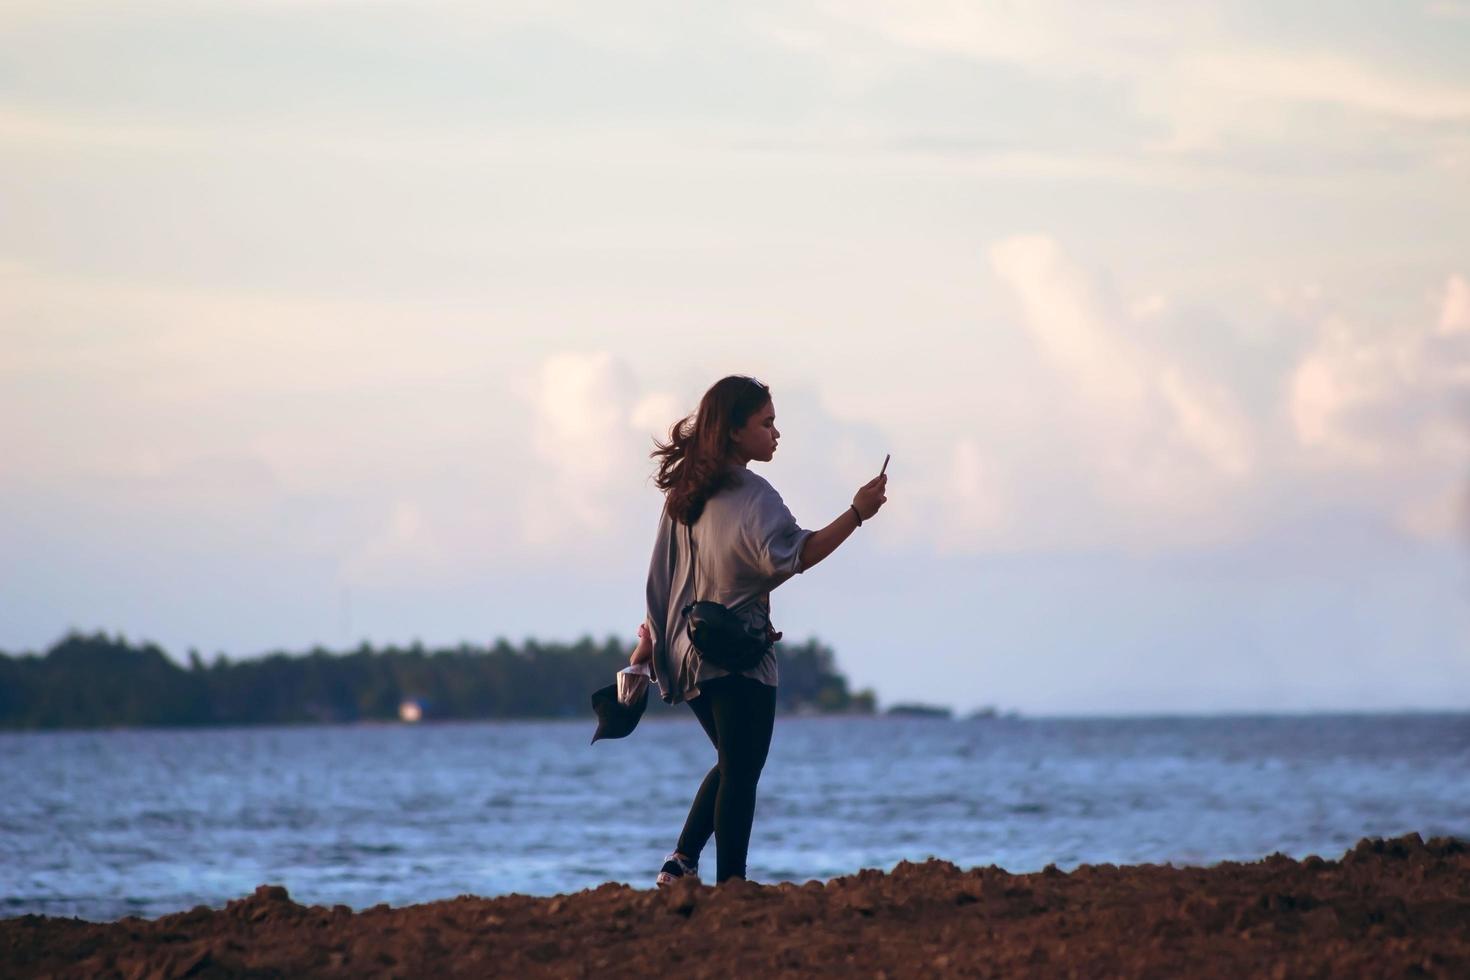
106,824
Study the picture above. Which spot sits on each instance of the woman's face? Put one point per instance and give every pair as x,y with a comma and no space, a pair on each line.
757,438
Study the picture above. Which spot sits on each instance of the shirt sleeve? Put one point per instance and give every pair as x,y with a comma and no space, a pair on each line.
658,593
772,537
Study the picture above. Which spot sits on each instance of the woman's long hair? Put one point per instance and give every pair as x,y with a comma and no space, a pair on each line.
694,464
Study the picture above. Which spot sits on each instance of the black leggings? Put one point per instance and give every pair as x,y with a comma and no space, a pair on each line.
738,715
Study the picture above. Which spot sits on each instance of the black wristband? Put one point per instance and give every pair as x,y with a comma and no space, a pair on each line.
857,515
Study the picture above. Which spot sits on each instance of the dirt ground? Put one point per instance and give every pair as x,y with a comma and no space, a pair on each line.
1388,908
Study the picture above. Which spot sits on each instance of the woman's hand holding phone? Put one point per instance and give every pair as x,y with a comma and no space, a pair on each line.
871,496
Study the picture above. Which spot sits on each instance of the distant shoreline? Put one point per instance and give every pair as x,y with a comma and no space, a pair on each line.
100,682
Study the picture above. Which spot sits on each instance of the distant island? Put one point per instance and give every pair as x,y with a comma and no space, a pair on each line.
915,710
96,681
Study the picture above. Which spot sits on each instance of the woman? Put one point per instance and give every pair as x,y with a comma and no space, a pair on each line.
745,543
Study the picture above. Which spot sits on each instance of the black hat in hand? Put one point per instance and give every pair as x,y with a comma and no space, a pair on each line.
615,719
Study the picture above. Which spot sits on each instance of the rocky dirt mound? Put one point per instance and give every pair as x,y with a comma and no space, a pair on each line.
1387,908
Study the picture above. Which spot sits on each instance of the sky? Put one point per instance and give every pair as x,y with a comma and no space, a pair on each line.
331,322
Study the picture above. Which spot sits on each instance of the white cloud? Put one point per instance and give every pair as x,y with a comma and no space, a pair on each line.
1109,438
655,413
1338,375
1390,406
582,401
580,435
1151,305
194,340
1061,36
1326,79
141,380
1207,418
1455,10
590,434
1209,84
1373,397
1192,73
1155,452
1162,434
1063,317
1454,311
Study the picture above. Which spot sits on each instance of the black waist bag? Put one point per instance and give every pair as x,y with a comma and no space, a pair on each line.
717,633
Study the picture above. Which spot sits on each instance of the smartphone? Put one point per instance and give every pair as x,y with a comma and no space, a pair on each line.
886,458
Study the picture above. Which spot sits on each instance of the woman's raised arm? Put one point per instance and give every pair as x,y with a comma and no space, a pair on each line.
865,503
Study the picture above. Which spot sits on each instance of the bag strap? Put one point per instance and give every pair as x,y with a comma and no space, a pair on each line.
693,559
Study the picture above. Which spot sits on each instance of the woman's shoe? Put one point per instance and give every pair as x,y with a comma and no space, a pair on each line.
676,869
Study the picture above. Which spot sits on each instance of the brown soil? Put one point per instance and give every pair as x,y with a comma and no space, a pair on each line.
1388,908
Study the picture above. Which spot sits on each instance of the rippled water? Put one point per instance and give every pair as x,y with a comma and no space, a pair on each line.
106,824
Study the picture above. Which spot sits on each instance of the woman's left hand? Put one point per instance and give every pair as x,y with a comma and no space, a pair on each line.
643,652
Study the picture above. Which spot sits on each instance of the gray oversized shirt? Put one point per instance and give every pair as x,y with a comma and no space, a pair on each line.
747,543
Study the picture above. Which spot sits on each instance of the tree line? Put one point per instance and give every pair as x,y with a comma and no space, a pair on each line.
97,681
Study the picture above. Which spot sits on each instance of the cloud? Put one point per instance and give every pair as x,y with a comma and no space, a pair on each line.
1374,397
1161,433
591,427
827,76
1211,85
1454,310
1326,79
1381,413
174,335
1155,446
1454,10
581,438
655,413
1113,435
1063,317
1061,36
1391,406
